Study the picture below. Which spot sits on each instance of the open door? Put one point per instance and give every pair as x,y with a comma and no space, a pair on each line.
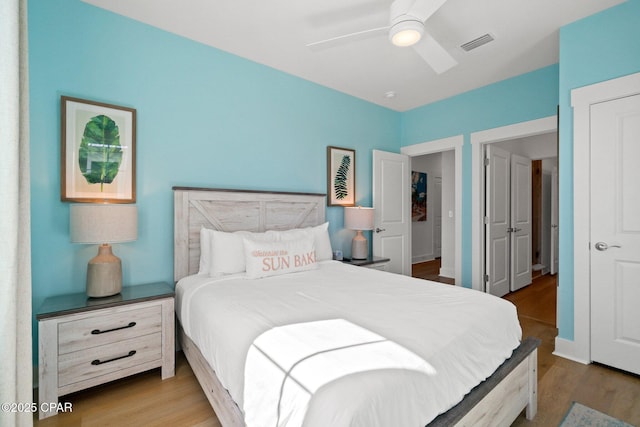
391,203
508,221
520,222
497,213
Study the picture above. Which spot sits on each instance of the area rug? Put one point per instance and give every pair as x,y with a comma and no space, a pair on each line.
583,416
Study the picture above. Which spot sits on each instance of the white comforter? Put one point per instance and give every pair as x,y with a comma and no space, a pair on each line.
445,341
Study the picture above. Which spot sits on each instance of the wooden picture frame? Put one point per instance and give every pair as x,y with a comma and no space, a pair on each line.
341,176
98,152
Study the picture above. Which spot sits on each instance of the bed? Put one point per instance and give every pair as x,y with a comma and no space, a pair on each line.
308,313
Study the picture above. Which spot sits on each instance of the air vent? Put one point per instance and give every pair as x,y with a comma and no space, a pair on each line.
477,42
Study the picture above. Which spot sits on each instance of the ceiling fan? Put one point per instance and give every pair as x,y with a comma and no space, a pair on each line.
407,28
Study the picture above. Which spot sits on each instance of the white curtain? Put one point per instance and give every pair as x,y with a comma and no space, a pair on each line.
16,373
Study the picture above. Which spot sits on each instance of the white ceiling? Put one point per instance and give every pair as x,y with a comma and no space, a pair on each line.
536,147
275,33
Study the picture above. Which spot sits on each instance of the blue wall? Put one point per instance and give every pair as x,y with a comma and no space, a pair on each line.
205,118
598,48
526,97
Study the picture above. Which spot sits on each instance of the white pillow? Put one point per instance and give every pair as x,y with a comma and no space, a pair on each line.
322,242
205,251
319,233
227,251
265,259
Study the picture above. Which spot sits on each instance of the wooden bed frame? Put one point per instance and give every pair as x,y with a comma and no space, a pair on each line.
495,402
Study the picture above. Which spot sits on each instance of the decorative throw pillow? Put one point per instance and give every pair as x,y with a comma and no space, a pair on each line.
265,259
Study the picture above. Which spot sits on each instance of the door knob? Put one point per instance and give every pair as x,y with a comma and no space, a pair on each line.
380,230
602,246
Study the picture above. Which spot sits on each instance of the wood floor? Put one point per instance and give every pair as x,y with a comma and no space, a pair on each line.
562,381
146,400
429,270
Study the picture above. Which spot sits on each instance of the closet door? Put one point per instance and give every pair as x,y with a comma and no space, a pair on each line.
520,222
497,220
508,221
615,233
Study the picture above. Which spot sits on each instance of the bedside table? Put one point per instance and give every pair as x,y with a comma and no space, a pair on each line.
374,262
84,342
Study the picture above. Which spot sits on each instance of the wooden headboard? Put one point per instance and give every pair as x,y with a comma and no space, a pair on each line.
233,210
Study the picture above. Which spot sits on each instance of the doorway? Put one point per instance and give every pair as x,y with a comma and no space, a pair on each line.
516,132
451,185
432,230
519,233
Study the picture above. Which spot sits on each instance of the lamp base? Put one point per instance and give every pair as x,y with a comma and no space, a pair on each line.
104,274
359,246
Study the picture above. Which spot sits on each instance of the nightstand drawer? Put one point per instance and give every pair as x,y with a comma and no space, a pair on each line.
113,326
107,359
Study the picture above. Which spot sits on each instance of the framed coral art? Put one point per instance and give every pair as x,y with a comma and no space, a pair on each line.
418,196
341,176
98,152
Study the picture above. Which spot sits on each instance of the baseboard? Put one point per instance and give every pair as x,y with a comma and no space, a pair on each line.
448,273
421,258
567,349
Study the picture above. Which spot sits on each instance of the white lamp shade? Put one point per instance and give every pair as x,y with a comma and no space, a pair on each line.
358,218
93,223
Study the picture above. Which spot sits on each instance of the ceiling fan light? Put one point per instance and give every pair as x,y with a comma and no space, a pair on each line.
406,33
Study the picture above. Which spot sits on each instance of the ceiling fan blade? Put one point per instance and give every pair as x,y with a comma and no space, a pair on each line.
335,41
399,8
434,54
423,9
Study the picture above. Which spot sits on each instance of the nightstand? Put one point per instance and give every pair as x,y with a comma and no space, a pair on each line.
374,262
84,342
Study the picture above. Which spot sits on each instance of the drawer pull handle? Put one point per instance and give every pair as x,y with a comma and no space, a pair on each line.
100,362
98,331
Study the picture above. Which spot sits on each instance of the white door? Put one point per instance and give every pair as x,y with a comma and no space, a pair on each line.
391,203
497,214
615,233
554,222
520,222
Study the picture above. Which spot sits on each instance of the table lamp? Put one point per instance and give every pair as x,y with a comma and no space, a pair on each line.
359,218
103,224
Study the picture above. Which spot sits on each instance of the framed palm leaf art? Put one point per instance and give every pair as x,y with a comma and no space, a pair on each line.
98,156
341,176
